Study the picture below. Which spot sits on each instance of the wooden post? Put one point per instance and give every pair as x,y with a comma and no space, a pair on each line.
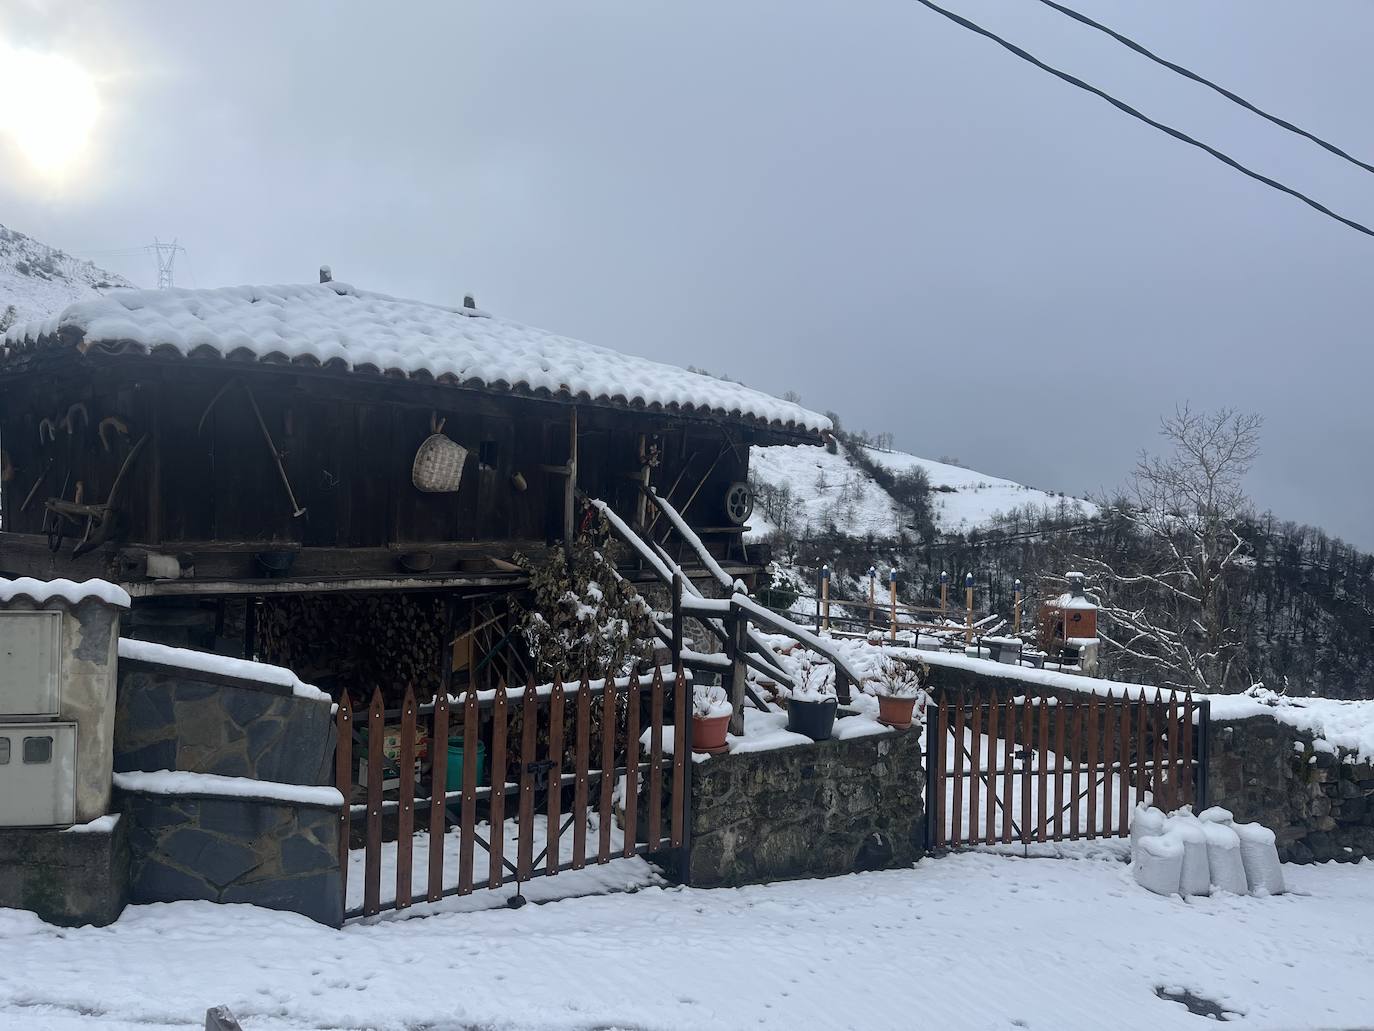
1016,609
872,596
968,609
642,500
944,593
735,650
677,621
570,485
825,597
892,599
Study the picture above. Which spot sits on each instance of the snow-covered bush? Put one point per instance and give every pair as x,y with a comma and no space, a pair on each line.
900,679
583,617
813,677
709,702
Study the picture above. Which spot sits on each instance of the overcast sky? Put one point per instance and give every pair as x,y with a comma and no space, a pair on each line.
857,200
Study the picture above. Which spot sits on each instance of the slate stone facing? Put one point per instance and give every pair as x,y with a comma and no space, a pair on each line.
1319,804
169,718
279,855
836,807
66,878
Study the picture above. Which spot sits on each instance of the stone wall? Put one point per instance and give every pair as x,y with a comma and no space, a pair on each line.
1319,804
170,718
67,877
266,852
836,807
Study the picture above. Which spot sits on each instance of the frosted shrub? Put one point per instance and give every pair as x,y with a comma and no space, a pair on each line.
814,678
899,679
710,702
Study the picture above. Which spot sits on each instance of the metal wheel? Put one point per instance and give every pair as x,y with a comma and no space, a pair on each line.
739,502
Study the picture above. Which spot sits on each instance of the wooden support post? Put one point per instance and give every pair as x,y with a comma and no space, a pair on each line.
944,593
677,621
892,605
642,501
736,624
1016,609
570,486
825,597
872,596
968,609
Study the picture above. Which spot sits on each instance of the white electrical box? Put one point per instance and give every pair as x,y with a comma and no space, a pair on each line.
30,663
37,774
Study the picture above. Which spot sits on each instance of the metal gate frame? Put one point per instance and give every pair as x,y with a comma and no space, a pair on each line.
1046,746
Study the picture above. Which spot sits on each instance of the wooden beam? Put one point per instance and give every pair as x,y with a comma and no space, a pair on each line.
191,588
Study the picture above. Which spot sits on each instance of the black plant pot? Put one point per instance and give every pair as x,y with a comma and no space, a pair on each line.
814,719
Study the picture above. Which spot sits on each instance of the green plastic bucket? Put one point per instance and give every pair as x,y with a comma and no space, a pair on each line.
453,776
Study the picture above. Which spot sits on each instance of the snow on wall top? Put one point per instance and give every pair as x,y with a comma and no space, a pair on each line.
333,323
224,665
40,592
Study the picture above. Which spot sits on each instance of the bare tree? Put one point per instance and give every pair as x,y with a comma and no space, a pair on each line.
1163,596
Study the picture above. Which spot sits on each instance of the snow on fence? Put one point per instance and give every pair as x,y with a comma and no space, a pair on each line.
1045,769
510,761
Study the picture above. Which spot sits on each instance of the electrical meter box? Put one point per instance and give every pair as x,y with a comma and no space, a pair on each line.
37,774
30,663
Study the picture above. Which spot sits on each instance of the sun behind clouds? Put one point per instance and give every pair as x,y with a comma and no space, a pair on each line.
48,106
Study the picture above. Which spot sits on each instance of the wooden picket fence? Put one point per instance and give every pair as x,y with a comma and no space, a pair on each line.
569,744
1054,769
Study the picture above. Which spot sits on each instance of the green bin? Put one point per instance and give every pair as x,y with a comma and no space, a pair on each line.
453,776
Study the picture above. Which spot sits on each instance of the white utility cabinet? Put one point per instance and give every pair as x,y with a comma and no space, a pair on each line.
30,663
37,774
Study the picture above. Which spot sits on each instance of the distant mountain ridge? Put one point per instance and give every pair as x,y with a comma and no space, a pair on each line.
38,281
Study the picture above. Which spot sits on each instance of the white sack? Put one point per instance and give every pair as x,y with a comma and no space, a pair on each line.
1146,822
1217,815
1260,856
1196,878
1223,858
1157,863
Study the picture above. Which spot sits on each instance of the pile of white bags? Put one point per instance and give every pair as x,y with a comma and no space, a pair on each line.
1182,854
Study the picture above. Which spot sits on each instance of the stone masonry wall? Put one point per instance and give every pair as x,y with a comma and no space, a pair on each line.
268,853
836,807
1319,804
170,718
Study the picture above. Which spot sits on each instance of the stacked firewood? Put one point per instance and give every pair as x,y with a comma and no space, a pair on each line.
357,642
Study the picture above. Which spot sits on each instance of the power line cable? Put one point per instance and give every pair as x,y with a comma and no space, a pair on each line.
1189,74
1123,106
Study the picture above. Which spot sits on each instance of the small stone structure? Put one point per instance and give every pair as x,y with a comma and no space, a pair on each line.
271,852
187,721
87,634
68,877
836,807
171,717
1318,802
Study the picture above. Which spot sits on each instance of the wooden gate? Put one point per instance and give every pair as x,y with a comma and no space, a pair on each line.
1053,769
512,773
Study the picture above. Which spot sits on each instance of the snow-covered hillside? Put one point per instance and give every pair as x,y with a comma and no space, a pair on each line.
37,281
820,490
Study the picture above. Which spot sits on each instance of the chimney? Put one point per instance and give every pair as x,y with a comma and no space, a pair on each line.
326,274
469,301
1075,584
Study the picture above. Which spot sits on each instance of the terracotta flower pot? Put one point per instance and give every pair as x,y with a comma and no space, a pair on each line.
708,733
895,712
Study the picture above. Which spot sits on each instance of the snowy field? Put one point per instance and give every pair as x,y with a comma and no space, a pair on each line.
828,491
966,941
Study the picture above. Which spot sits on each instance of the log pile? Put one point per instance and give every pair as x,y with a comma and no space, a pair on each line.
358,642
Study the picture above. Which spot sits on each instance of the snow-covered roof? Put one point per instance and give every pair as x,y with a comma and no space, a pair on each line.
40,592
339,326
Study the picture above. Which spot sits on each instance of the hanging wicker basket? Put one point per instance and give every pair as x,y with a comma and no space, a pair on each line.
438,464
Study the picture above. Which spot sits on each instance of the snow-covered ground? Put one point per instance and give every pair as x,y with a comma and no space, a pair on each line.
964,941
827,490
